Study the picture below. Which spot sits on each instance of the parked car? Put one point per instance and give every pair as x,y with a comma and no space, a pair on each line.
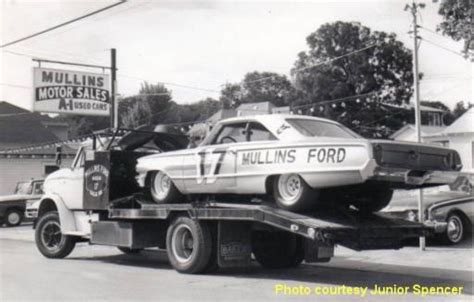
12,207
458,213
298,161
453,210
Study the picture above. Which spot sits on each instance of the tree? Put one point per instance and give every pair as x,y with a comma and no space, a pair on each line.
460,108
457,22
259,87
381,74
148,107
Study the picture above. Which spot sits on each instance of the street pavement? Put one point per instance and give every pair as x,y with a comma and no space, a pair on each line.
101,273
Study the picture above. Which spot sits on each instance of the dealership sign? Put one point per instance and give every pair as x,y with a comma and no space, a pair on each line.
71,92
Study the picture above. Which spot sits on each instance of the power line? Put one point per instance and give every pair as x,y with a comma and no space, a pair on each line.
442,47
432,31
18,86
335,59
325,102
63,24
170,83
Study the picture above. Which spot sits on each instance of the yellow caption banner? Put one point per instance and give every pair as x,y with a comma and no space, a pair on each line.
363,291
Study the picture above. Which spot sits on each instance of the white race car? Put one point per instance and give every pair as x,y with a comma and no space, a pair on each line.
297,160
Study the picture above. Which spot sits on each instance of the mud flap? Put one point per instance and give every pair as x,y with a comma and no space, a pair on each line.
315,251
233,244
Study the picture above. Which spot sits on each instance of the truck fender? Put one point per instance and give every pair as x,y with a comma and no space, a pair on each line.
52,202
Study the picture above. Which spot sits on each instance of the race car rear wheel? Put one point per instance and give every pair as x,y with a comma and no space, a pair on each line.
162,189
292,193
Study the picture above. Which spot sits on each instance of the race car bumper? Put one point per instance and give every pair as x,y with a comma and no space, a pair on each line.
415,177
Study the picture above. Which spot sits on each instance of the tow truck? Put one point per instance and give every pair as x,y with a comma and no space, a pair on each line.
98,200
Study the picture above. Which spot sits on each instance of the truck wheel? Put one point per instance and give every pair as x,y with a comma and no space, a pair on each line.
292,193
162,189
129,251
49,239
455,230
13,217
277,249
373,201
189,245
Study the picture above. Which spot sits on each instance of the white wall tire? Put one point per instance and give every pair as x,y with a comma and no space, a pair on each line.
455,229
291,193
189,245
162,189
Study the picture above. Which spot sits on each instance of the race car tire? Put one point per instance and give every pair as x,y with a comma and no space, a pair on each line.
275,250
163,190
368,202
13,217
189,245
129,251
292,193
456,229
49,239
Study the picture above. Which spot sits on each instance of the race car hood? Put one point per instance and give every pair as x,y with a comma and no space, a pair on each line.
164,137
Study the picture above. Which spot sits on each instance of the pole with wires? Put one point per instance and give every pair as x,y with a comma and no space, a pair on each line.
113,89
413,7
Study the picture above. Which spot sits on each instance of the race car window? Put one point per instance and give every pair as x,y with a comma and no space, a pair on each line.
313,128
231,133
259,133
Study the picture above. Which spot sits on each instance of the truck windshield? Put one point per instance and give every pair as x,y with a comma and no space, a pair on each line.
314,128
23,188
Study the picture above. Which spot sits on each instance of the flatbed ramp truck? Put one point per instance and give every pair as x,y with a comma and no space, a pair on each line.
96,200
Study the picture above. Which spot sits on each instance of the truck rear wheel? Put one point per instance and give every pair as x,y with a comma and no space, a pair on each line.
189,245
49,239
277,249
162,189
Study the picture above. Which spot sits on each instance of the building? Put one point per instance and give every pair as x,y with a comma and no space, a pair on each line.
28,146
460,137
200,130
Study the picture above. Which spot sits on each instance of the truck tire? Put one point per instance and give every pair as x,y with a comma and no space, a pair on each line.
277,249
49,239
129,251
189,245
292,193
374,201
13,217
163,190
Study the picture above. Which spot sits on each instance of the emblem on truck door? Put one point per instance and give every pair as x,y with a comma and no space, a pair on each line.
96,180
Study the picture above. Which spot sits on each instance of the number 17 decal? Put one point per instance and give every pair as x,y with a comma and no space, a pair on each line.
216,156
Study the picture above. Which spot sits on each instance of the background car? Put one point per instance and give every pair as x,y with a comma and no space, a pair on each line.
452,208
12,207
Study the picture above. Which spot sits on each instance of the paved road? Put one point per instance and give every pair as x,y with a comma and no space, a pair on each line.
103,273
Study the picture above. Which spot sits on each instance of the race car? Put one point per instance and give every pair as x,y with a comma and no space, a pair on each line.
298,161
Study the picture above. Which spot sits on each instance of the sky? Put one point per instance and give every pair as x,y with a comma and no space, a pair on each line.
196,47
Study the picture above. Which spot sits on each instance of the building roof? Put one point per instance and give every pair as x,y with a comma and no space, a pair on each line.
425,130
464,124
19,127
221,114
259,107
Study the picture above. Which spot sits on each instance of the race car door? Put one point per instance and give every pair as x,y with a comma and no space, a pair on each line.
212,167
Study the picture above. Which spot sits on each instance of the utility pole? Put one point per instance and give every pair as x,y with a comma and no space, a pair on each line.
413,7
113,90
